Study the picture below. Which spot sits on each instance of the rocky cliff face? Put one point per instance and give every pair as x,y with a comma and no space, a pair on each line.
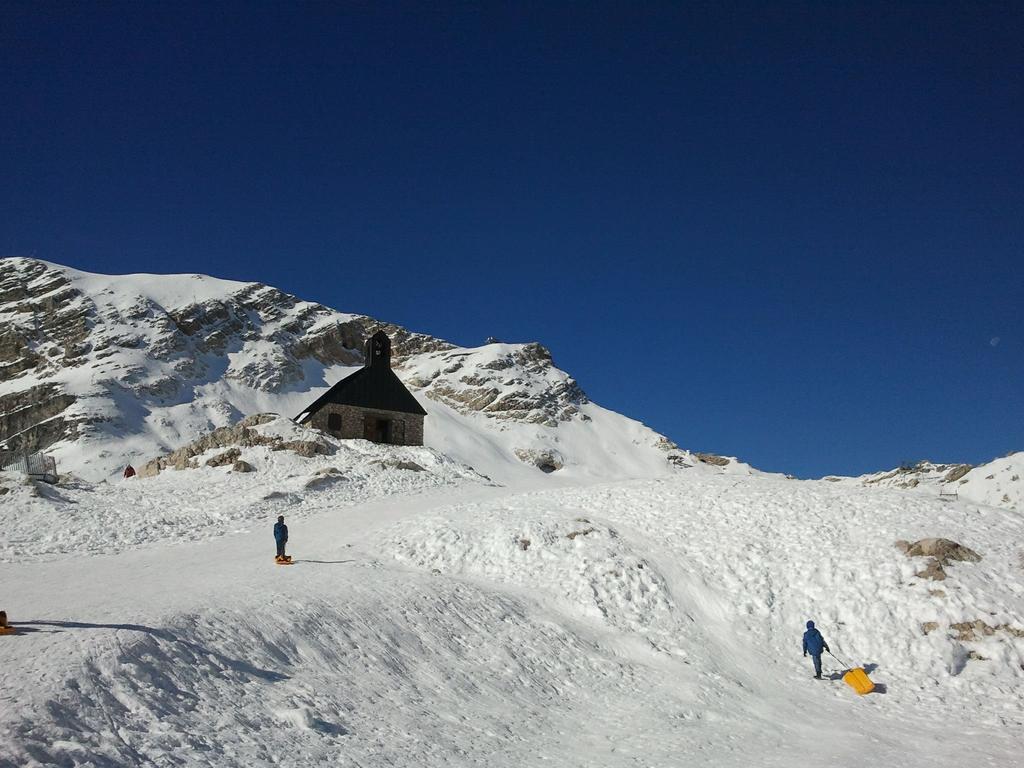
100,369
503,381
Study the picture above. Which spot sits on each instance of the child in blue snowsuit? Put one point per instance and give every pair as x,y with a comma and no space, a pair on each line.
280,536
814,643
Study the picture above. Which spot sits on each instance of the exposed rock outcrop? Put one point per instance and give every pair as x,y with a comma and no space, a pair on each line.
229,456
957,472
711,458
912,475
513,382
941,552
338,344
933,570
390,463
995,483
547,461
242,435
967,631
33,418
970,631
305,448
16,356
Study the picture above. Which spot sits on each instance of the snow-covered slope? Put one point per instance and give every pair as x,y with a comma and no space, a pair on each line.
449,621
214,499
999,483
106,370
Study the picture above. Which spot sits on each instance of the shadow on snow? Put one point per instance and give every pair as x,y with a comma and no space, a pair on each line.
161,634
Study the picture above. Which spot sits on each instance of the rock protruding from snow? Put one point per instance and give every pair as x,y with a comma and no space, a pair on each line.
246,434
544,460
943,549
228,457
940,552
711,458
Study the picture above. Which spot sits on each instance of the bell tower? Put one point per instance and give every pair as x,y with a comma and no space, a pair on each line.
378,350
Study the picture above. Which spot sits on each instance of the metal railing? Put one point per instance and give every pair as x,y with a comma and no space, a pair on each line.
38,466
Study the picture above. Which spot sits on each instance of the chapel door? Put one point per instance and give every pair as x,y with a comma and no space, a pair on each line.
376,429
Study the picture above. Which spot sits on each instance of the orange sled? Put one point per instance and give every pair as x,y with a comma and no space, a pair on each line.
858,679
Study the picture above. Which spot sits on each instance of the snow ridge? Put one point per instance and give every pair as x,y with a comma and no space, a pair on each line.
998,483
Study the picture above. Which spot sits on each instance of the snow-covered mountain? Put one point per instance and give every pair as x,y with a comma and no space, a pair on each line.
997,483
104,370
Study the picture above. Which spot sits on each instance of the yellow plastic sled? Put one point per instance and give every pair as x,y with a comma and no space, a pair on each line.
858,679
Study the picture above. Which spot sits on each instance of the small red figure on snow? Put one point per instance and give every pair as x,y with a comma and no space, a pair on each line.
129,471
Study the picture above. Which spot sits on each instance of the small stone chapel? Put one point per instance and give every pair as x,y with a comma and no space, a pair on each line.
371,403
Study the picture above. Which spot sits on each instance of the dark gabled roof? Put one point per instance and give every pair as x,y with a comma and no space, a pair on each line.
375,386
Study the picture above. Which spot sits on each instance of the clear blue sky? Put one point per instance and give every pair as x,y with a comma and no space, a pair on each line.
793,234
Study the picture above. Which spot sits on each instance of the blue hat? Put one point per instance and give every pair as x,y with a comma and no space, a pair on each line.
810,625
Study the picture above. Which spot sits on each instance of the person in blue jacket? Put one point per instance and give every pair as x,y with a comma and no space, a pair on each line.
814,643
281,537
